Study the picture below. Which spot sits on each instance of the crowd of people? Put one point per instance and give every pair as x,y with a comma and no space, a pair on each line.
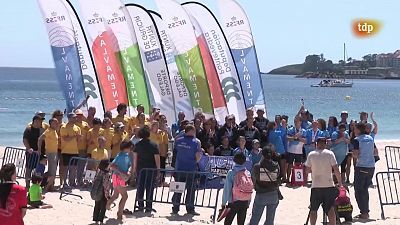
125,145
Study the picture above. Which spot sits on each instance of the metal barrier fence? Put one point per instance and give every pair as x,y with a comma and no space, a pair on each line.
388,184
80,173
197,188
22,160
392,154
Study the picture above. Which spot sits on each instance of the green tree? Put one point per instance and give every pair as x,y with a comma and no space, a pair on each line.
311,63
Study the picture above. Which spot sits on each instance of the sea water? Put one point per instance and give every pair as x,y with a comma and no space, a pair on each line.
22,95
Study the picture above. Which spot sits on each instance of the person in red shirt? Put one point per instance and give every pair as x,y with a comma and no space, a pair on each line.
13,201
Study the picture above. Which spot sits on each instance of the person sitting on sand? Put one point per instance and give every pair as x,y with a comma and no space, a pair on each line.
48,180
120,166
35,193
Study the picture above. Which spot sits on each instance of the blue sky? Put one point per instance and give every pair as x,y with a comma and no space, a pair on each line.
285,31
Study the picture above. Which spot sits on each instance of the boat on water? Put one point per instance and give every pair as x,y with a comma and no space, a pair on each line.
333,83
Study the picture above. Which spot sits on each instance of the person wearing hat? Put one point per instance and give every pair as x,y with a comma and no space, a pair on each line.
265,175
260,121
320,163
30,139
41,114
255,154
70,135
119,136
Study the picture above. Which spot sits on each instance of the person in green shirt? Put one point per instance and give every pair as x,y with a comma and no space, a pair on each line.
35,195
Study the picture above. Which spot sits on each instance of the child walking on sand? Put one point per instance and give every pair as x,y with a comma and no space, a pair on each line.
237,190
120,167
35,193
101,191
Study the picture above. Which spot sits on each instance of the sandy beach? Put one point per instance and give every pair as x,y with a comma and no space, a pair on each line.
292,210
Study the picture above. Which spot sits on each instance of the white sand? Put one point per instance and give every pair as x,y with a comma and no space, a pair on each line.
292,210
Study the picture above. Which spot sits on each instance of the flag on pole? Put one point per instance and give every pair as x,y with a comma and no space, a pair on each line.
89,75
237,29
181,94
65,53
222,58
103,44
153,60
188,57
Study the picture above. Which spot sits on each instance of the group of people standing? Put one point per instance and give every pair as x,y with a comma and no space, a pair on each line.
126,145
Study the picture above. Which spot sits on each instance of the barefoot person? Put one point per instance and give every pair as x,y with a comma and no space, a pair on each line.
120,166
320,164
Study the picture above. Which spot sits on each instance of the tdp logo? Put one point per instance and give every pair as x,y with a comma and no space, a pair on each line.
365,27
230,88
89,87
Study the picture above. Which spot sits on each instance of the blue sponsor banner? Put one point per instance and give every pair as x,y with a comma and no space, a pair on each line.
220,164
68,71
249,75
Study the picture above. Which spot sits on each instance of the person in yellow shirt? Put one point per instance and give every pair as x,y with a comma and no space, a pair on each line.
165,137
91,116
59,115
120,135
50,138
140,121
82,144
80,122
93,135
108,132
122,118
70,136
100,152
155,133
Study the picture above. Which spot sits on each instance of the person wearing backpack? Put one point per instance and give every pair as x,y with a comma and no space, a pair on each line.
100,192
265,178
237,190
